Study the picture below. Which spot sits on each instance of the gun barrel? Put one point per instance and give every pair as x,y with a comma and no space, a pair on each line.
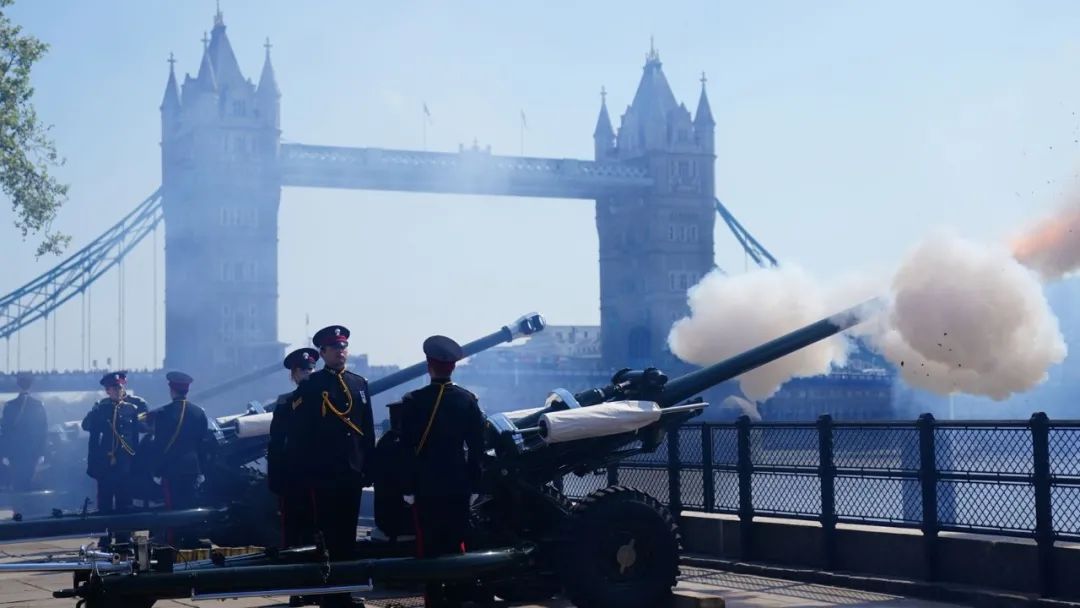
687,386
524,326
94,524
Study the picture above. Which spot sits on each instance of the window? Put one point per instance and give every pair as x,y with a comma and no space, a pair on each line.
239,108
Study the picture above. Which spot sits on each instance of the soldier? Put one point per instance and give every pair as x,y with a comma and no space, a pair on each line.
23,431
113,424
437,422
294,498
333,429
179,443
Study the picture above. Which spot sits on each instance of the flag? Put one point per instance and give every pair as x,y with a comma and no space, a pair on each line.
523,123
427,112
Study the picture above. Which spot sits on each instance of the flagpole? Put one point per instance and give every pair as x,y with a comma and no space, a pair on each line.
423,128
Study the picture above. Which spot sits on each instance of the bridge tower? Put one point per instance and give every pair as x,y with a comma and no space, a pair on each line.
220,136
655,245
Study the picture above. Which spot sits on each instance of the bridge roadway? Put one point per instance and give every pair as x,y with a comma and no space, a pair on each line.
737,590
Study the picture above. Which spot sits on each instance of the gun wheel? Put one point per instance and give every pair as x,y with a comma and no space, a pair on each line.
622,550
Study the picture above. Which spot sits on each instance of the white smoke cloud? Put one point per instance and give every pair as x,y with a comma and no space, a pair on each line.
960,316
731,314
968,317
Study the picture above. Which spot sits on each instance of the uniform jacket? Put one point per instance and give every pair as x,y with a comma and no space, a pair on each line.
332,425
280,470
180,435
439,464
114,435
23,429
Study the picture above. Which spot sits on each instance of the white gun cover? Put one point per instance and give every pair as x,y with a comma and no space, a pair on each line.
254,425
598,420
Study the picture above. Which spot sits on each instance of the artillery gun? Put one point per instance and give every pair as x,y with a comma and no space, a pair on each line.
616,547
236,506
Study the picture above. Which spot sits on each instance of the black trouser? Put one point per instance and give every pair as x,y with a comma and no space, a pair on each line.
337,508
114,493
180,491
297,517
441,524
22,472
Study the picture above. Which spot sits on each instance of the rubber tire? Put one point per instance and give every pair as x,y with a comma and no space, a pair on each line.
600,527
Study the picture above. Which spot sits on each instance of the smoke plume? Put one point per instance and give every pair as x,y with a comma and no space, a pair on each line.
1051,246
960,317
970,318
731,314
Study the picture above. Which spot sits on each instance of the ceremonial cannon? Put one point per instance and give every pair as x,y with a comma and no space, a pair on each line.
616,547
237,508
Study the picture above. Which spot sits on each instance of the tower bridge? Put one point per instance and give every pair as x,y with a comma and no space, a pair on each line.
224,165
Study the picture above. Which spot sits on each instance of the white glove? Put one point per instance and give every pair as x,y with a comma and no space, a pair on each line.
157,480
201,478
473,497
409,498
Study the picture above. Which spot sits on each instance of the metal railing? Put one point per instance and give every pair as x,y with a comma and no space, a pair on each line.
1009,478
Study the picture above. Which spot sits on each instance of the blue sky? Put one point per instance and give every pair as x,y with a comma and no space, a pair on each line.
845,132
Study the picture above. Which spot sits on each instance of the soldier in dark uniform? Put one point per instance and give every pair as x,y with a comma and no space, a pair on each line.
179,444
23,431
437,423
294,497
113,425
331,423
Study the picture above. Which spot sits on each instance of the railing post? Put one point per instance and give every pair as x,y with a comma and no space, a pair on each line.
745,468
1044,516
707,476
827,475
674,474
613,475
928,478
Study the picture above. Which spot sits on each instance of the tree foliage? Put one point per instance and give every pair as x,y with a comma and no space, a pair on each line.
26,152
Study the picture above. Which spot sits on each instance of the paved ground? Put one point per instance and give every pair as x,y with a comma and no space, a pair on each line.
23,589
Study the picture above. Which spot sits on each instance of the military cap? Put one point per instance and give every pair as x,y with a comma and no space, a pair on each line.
179,379
303,358
114,379
443,349
334,334
24,380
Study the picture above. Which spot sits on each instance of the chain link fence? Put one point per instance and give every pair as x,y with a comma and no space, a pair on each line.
1012,478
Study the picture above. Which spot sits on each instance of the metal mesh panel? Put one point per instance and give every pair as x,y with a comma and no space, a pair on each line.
995,505
580,487
878,499
1065,504
784,446
1065,451
725,446
726,488
692,488
876,448
653,482
983,450
786,493
690,445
